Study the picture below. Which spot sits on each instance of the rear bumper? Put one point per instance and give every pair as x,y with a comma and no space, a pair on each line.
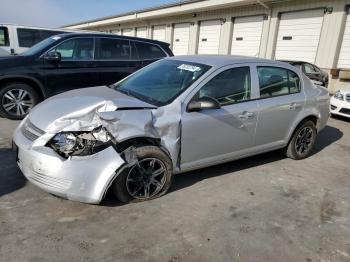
83,179
339,107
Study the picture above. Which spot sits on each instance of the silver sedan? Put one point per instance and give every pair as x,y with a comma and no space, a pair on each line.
175,115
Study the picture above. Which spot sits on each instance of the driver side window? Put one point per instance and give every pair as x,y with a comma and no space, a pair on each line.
76,49
228,87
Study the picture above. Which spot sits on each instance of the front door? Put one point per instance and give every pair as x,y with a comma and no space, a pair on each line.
215,135
76,69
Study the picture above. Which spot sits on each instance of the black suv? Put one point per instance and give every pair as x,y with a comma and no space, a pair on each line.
69,61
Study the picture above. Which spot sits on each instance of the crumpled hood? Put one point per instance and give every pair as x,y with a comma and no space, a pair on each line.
77,104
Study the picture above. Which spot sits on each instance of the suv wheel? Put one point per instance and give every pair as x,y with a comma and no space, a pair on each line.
302,142
149,178
16,100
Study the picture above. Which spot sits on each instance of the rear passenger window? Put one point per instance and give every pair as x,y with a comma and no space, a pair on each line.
29,37
112,49
275,81
228,87
149,51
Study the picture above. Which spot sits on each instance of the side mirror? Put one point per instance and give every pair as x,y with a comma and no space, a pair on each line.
53,56
202,103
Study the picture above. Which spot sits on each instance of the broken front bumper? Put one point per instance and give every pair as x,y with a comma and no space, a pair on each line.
85,179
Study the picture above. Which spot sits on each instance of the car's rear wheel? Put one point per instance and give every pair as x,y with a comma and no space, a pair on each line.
16,100
150,177
302,142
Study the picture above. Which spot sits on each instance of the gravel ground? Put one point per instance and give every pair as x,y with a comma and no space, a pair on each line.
263,208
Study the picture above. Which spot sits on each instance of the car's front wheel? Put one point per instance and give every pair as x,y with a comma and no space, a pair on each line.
16,100
302,142
150,177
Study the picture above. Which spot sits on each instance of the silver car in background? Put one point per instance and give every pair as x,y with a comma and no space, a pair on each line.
175,115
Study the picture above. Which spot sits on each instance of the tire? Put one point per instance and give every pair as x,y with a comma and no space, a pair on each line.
138,177
300,141
26,98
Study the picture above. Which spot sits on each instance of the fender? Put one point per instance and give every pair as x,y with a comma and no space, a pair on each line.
307,112
19,77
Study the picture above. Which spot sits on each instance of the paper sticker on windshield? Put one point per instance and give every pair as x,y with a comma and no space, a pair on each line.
190,68
56,37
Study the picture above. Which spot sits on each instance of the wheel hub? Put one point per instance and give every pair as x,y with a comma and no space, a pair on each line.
17,102
304,140
146,178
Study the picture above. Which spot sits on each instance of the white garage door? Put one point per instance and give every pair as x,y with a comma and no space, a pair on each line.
299,35
247,35
209,37
117,32
159,33
127,32
141,32
344,56
181,38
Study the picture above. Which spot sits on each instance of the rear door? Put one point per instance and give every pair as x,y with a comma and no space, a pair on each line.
281,101
76,68
113,59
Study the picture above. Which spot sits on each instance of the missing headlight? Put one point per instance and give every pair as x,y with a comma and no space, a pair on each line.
80,143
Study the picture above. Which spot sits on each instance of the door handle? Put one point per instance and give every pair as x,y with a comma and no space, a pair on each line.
294,106
246,115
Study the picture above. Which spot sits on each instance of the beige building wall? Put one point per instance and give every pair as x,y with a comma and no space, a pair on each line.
330,37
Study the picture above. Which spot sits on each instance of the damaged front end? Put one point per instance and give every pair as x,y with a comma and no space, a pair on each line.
78,154
81,143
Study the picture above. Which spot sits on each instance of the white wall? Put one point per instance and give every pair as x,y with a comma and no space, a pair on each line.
330,37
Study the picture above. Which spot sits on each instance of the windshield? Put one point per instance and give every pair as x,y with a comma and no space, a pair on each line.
161,82
39,46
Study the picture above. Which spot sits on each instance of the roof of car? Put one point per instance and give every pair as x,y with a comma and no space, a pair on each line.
293,62
222,60
95,34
